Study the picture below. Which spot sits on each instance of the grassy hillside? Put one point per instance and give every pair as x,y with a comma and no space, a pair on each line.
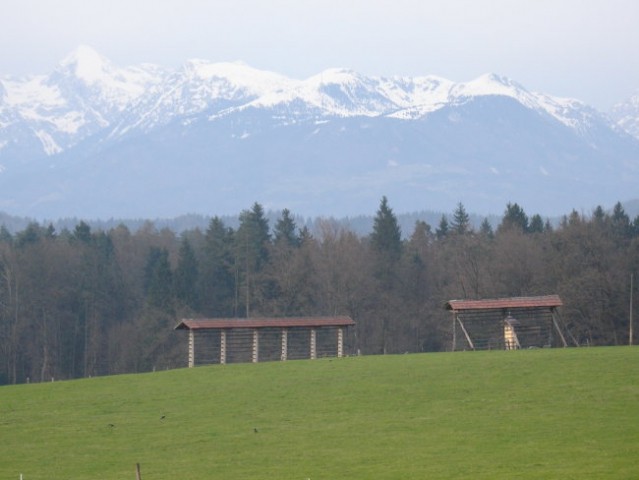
521,414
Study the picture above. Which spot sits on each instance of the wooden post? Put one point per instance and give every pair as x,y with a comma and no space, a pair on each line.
223,347
256,346
284,353
454,331
138,475
340,342
470,342
191,348
630,319
556,324
313,344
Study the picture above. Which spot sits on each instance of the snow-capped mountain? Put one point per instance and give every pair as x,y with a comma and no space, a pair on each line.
82,96
626,114
94,139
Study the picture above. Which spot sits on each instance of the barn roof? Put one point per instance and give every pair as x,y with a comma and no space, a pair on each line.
263,322
546,301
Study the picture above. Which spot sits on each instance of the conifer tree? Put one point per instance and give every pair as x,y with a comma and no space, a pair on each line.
218,285
514,219
486,229
461,221
442,229
284,230
186,276
159,279
620,222
251,247
536,224
386,238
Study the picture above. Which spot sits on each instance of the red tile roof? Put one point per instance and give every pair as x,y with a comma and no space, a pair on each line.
547,301
264,322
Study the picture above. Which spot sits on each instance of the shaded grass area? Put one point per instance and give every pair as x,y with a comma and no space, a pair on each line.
570,413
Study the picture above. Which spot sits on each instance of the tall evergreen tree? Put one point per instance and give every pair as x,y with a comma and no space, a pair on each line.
620,222
82,232
486,229
159,279
30,235
186,276
461,221
386,238
536,224
218,284
599,216
442,230
514,219
284,230
251,246
253,237
386,243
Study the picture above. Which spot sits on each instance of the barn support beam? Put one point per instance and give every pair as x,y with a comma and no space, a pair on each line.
223,347
256,346
340,342
313,344
470,342
191,348
556,324
284,352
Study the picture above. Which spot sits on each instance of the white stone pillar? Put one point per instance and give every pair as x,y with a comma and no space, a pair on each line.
191,348
223,347
340,342
256,346
313,344
284,353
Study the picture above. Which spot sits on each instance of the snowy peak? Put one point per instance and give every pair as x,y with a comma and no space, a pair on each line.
491,84
237,74
344,92
86,64
89,78
626,114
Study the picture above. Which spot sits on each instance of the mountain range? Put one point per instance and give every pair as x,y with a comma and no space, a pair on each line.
95,140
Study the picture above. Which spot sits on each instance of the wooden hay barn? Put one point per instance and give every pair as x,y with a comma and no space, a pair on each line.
506,323
236,340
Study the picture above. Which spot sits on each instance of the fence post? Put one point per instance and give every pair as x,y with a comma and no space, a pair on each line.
138,475
256,346
223,347
313,344
284,353
191,348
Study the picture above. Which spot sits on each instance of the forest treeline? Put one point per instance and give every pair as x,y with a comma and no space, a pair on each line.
79,303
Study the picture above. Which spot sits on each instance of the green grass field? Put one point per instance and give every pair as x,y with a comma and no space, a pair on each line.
570,413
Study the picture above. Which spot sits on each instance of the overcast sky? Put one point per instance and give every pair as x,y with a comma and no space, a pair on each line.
585,49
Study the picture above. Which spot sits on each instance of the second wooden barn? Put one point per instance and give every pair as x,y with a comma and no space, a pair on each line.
506,323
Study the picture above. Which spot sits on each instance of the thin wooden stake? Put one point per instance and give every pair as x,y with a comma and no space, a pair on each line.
631,288
138,475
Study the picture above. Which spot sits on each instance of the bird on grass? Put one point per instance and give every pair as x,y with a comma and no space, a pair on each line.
254,430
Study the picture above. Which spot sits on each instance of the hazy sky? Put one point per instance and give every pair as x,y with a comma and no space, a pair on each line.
587,49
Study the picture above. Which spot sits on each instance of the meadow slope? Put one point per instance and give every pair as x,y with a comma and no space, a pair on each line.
570,413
